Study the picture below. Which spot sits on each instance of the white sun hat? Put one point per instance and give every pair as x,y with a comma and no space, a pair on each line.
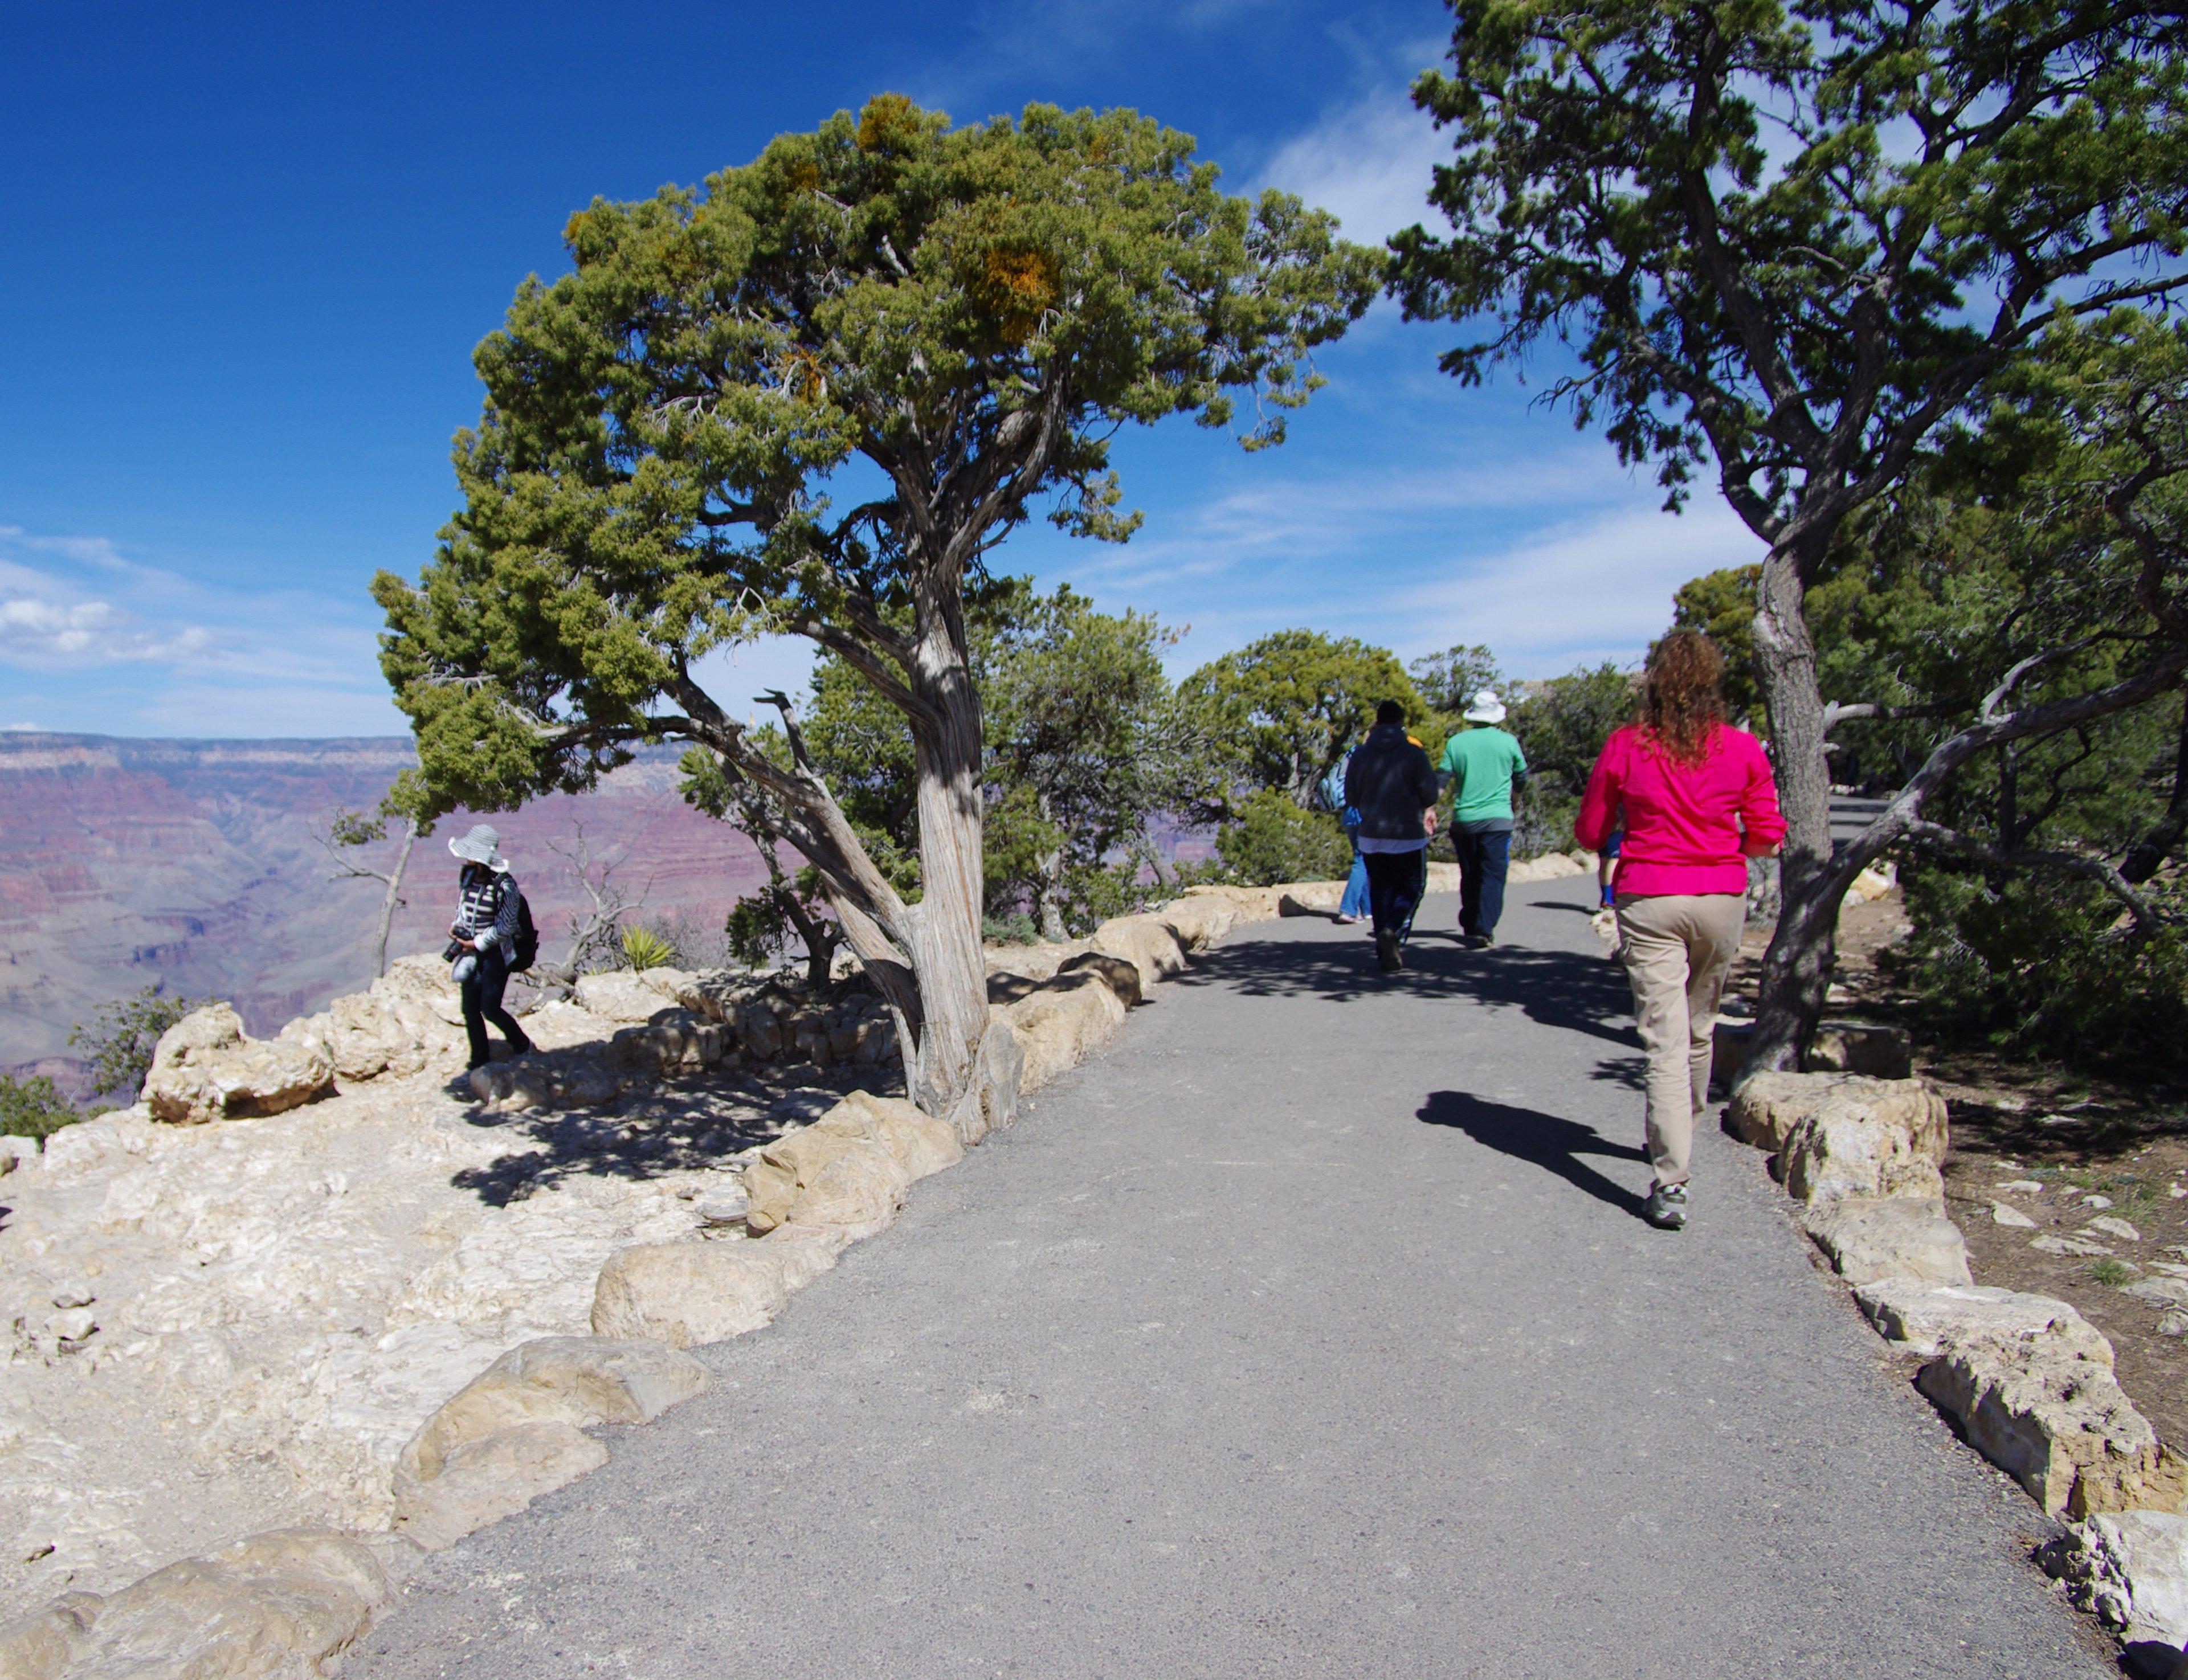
1485,708
481,845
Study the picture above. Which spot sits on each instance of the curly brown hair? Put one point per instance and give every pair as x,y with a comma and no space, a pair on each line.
1681,702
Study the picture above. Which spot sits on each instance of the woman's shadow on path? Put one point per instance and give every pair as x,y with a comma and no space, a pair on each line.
1541,1140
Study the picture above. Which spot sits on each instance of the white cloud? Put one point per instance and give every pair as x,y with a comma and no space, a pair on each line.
1367,163
1592,590
45,619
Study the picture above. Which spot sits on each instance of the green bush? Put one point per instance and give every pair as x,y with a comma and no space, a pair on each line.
1014,929
2041,963
1274,840
33,1108
643,949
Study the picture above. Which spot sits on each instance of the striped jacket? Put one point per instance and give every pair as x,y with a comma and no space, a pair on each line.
486,908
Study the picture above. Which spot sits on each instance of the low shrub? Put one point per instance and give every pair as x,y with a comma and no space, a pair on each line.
1274,840
33,1108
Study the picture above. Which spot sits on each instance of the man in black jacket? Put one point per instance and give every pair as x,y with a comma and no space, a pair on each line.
1393,786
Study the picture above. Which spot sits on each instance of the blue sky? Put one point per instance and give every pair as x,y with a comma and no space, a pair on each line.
250,251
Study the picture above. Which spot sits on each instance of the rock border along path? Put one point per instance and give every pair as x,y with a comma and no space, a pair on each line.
1309,1329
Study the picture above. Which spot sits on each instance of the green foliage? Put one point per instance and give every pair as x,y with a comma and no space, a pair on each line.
1281,711
33,1108
1015,929
648,478
643,949
119,1039
1694,195
1274,840
1561,725
2112,1274
1448,680
2039,964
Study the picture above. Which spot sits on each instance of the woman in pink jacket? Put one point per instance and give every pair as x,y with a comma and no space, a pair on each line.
1698,800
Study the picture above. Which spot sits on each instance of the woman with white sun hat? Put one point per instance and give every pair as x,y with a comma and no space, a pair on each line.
484,939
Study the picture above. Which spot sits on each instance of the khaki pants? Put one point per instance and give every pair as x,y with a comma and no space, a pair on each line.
1678,949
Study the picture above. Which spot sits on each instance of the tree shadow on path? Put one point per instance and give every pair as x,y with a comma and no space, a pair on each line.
1563,989
1541,1140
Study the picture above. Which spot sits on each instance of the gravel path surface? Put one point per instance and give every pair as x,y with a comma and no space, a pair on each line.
1310,1330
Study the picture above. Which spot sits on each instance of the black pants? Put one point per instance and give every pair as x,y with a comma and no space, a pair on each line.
1483,859
482,991
1394,881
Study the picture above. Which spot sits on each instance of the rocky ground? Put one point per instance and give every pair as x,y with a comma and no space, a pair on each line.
223,1328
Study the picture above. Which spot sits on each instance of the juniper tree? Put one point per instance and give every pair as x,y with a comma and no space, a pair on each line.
1790,242
941,327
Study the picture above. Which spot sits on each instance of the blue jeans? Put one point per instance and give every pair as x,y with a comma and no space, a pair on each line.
1394,881
1483,859
1355,901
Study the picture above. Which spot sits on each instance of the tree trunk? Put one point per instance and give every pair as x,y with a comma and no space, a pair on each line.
393,896
1796,970
1050,898
946,958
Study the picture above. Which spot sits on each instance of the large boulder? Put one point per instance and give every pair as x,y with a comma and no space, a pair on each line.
1551,866
1766,1109
835,1174
1034,963
1926,1318
1847,1147
495,1476
1147,942
1199,919
687,1294
1863,1048
409,1017
1892,1237
278,1606
2052,1416
1058,1025
673,1040
2129,1570
583,1381
205,1068
921,1143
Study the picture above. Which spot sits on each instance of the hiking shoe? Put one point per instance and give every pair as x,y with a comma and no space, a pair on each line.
521,1047
1387,957
1666,1206
1480,941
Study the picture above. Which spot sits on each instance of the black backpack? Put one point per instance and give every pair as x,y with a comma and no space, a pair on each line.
528,936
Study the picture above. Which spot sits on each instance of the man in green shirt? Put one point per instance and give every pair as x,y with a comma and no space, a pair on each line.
1482,763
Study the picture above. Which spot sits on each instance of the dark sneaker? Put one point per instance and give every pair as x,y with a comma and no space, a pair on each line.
1387,956
522,1047
1666,1206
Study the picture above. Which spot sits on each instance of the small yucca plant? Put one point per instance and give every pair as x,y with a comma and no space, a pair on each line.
643,949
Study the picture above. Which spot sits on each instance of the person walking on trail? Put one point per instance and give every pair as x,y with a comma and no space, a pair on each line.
1697,799
1482,763
1353,904
483,939
1393,786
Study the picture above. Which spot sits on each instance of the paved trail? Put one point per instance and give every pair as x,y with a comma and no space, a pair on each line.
1310,1330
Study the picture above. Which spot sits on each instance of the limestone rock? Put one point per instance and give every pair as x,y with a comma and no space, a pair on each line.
2165,1291
206,1068
2131,1570
1310,898
2081,1247
1846,1147
2000,1213
1147,942
583,1381
1550,867
2112,1227
674,1040
483,1481
1199,919
1059,1024
1891,1237
858,1190
686,1293
42,1645
2053,1417
619,995
1765,1109
921,1143
278,1606
1927,1318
